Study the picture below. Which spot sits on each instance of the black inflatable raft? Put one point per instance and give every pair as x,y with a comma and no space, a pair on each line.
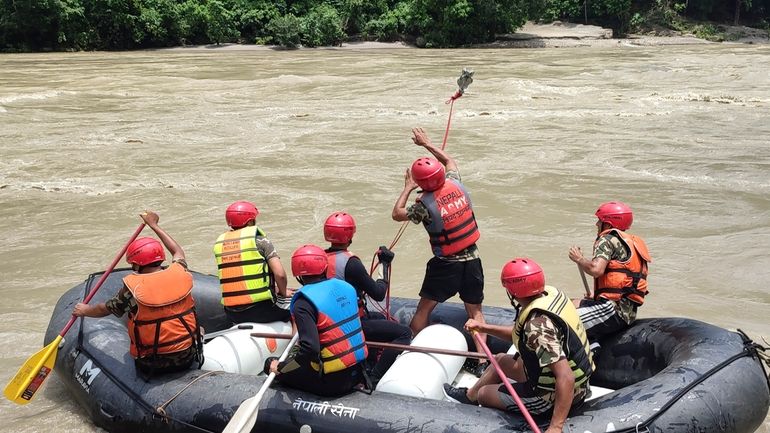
670,375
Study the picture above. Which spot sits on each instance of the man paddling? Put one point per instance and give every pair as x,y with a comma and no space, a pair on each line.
162,323
445,210
329,361
339,229
553,363
619,268
250,271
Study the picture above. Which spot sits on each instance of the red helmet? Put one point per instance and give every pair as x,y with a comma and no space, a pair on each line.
308,260
339,228
523,278
616,214
428,173
240,213
144,251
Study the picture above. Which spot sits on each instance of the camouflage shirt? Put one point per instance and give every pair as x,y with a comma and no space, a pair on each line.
545,339
609,247
265,247
418,213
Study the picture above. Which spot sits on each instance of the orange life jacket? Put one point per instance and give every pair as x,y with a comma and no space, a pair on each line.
165,320
453,226
628,278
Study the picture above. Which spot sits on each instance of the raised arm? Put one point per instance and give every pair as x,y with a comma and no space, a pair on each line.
420,138
151,219
399,209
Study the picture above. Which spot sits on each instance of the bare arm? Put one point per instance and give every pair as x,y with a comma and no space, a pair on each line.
399,209
594,268
90,310
502,332
565,383
279,274
151,219
420,138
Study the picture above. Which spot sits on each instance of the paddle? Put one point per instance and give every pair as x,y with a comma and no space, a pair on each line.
33,373
403,347
210,336
585,282
507,384
246,416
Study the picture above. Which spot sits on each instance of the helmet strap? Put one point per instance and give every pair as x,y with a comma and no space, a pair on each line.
516,306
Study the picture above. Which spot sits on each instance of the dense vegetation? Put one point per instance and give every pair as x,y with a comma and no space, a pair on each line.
31,25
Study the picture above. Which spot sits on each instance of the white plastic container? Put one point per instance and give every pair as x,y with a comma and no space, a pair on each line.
424,374
239,352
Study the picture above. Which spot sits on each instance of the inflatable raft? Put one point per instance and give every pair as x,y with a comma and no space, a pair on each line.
668,375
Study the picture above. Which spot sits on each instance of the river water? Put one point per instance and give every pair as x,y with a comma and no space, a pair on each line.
88,140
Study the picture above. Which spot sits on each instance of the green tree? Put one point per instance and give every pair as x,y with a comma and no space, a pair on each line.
220,26
322,26
193,19
391,24
114,23
460,22
253,16
285,30
29,24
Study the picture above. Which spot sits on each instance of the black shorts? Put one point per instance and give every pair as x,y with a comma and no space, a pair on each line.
534,403
260,312
444,279
600,318
334,384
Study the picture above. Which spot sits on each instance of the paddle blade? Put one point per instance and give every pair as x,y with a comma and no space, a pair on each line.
244,418
32,374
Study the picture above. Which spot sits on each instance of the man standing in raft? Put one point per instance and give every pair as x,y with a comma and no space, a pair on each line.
249,269
444,208
152,297
339,229
619,268
331,342
553,362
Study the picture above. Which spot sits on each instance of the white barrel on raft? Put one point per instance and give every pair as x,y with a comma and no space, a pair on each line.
239,352
424,374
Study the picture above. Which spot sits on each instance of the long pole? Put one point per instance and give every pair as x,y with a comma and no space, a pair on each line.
504,379
381,345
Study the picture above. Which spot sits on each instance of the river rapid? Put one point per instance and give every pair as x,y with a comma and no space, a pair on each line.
89,140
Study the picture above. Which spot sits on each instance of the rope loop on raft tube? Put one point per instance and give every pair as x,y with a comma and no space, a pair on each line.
750,349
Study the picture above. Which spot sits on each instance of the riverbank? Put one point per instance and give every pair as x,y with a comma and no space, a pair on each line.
552,35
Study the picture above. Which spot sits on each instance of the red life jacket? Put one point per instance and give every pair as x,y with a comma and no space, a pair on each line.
628,278
453,226
165,320
338,260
